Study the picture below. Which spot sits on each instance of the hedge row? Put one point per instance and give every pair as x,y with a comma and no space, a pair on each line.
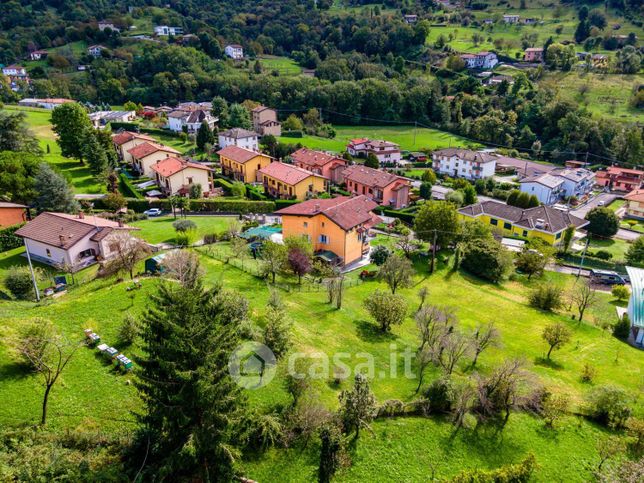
292,134
127,188
255,194
215,205
279,204
9,241
222,183
128,126
406,217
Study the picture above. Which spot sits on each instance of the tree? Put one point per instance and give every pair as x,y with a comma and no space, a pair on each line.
386,309
455,63
128,251
299,262
583,297
429,176
554,407
484,337
609,405
454,347
546,297
437,222
408,244
629,60
379,255
18,282
635,253
397,272
92,151
129,330
277,331
603,222
238,116
357,406
486,258
531,262
293,123
114,202
15,134
512,197
597,18
47,353
372,161
469,195
273,258
568,235
17,176
204,135
425,191
71,125
220,110
622,329
54,193
499,392
556,335
331,448
238,249
183,266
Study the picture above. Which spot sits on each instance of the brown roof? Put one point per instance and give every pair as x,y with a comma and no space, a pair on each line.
286,173
240,155
147,148
170,166
370,177
125,136
6,204
314,158
238,133
466,154
344,211
635,195
63,230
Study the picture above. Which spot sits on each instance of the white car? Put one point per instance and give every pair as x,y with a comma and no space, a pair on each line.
153,212
600,203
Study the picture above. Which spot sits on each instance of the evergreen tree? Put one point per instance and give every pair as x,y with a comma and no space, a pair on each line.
71,123
239,117
469,195
512,197
582,32
220,110
533,201
372,161
94,152
54,193
357,406
204,135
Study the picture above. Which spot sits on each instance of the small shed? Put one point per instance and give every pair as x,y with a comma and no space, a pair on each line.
155,264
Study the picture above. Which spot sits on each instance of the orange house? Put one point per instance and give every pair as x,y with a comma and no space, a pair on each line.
338,228
126,140
286,181
12,214
317,162
242,164
384,188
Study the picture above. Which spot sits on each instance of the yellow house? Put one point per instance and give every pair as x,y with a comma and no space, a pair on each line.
635,204
289,182
539,222
242,164
147,154
126,140
338,228
176,176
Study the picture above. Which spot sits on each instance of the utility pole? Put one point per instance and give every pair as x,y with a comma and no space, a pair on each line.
31,269
415,128
433,252
583,255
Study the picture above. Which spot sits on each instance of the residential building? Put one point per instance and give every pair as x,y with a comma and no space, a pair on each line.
495,80
43,103
634,204
385,151
533,54
38,54
636,306
95,50
321,163
542,221
165,31
176,176
107,25
511,18
481,60
126,140
242,164
265,121
530,21
234,51
100,119
74,241
14,70
522,167
600,61
146,154
190,120
620,179
547,188
573,164
286,181
384,188
464,163
12,214
242,138
338,228
577,182
410,19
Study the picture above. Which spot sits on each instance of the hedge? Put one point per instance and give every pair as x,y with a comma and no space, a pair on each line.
279,204
254,194
222,183
215,205
293,134
128,188
9,241
406,217
128,126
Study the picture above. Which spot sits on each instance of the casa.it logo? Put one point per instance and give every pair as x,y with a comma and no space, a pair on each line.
252,365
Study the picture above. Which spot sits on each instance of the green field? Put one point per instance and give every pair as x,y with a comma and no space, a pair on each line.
283,65
615,247
408,137
160,230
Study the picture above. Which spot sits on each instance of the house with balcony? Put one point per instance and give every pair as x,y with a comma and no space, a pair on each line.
620,179
95,50
338,228
147,154
176,176
533,54
481,60
181,120
286,181
234,51
510,18
635,204
547,188
577,182
242,138
126,140
384,188
265,121
38,54
464,163
385,151
165,31
321,163
242,164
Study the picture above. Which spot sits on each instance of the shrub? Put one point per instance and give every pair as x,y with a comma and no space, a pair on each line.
620,292
486,258
379,255
622,328
603,255
8,239
441,395
546,297
182,226
517,473
129,330
18,282
588,373
210,238
609,406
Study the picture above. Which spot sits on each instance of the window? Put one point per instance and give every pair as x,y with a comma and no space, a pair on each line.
507,226
190,180
306,224
324,239
48,252
525,233
322,224
558,236
494,221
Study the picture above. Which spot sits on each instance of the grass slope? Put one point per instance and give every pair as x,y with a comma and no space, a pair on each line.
160,230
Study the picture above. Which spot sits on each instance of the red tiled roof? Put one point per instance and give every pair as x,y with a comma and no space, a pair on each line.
125,136
635,195
311,157
344,211
237,154
147,148
617,171
170,166
286,173
358,140
370,177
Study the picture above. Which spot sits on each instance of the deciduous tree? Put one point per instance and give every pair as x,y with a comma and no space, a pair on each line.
556,335
357,406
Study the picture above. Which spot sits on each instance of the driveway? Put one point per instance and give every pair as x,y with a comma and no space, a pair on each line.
581,211
628,235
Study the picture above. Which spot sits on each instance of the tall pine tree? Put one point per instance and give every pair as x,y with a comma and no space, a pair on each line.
54,193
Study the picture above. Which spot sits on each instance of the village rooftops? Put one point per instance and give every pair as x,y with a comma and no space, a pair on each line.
286,173
147,148
466,154
371,177
125,136
64,230
311,157
170,166
237,154
346,212
635,195
238,133
573,174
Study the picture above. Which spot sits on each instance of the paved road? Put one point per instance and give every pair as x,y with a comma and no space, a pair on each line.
607,198
628,235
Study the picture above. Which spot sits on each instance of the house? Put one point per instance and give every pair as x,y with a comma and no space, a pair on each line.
385,151
533,54
481,60
573,164
488,21
38,54
175,176
234,51
12,214
44,103
321,163
242,138
542,221
100,119
384,188
530,21
265,121
126,140
547,188
242,164
95,50
338,225
14,71
620,179
634,204
495,80
410,19
75,241
522,167
418,157
165,31
511,18
190,120
600,61
286,181
463,163
577,182
636,306
107,25
146,154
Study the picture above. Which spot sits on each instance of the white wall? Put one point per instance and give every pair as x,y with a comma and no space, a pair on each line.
251,143
175,124
543,193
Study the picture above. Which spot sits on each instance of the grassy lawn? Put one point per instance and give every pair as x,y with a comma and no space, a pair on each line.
175,142
160,230
403,135
617,248
283,65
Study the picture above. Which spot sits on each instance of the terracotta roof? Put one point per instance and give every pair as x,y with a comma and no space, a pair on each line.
63,230
369,176
286,173
617,170
466,154
6,204
635,195
260,108
238,133
169,166
344,211
147,148
238,154
125,136
358,140
534,49
311,157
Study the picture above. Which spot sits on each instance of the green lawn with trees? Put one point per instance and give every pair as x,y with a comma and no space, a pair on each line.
160,229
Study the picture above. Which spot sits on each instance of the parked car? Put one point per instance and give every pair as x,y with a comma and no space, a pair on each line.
153,212
607,277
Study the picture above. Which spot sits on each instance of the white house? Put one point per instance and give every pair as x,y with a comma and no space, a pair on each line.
72,240
410,18
234,51
511,18
385,151
547,188
95,50
242,138
43,103
190,119
100,119
636,306
463,163
107,25
577,182
164,30
482,60
14,71
38,54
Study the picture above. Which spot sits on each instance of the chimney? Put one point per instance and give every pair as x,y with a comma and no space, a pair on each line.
81,215
62,239
120,222
317,207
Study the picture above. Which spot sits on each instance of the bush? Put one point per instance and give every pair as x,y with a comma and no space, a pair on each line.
18,282
602,222
609,406
546,297
518,473
127,188
210,238
441,395
486,258
183,226
8,239
379,255
622,329
620,292
129,330
602,255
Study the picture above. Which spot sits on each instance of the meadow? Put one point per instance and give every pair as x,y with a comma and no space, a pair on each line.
160,229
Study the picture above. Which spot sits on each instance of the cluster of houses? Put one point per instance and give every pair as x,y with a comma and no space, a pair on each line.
16,74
